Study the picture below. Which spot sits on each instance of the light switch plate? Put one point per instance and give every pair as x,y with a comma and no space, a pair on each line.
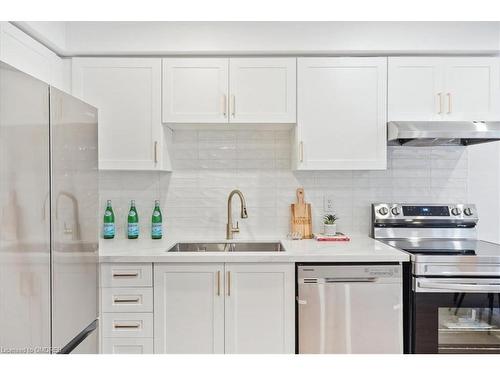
328,203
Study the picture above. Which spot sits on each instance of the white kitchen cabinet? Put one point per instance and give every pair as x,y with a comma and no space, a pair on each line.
127,93
224,308
126,308
222,90
443,88
127,346
472,86
195,90
341,113
262,90
26,54
415,87
189,308
260,308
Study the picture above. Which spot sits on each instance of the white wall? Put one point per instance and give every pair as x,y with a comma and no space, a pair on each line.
484,188
162,38
208,164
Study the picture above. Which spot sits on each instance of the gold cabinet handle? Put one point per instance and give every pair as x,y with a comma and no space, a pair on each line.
228,283
440,95
233,105
218,283
156,152
126,300
449,102
301,151
126,274
125,326
224,105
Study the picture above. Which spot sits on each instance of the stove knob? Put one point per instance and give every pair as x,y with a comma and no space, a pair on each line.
456,211
383,211
468,211
395,211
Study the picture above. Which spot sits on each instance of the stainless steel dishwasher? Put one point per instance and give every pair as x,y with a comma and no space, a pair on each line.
350,308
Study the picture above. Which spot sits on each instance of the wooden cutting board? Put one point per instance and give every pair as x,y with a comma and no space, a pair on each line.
301,219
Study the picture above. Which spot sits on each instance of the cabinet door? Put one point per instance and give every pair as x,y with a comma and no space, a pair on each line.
195,90
416,89
127,92
260,308
262,90
341,121
189,308
472,88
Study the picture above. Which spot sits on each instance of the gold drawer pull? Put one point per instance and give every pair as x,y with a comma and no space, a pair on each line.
126,274
125,326
229,283
218,283
126,300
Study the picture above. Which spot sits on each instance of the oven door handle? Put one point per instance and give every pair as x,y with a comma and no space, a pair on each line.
433,286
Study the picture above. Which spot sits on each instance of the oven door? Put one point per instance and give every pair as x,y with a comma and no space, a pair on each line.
452,315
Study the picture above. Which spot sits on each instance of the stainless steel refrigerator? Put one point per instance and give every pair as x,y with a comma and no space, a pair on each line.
48,218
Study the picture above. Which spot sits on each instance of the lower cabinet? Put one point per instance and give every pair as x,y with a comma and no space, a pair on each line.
224,308
127,346
126,323
189,308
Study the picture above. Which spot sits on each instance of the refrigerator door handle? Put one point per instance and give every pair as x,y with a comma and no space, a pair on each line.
78,339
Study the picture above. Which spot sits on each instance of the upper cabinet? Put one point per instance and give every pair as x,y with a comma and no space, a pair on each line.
472,88
195,90
262,90
221,90
341,114
444,88
127,92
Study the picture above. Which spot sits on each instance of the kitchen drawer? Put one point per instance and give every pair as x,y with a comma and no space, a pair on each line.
126,274
127,299
120,325
127,346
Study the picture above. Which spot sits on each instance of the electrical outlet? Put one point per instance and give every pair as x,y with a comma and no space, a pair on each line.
328,203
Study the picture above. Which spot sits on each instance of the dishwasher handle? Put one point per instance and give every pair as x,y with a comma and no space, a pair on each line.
332,280
350,279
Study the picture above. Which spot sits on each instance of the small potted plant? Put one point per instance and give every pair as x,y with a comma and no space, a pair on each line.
330,224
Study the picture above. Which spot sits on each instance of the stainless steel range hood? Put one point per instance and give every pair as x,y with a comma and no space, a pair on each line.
441,133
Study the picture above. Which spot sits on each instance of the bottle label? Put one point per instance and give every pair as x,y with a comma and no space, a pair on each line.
131,213
107,213
133,229
156,229
156,213
109,229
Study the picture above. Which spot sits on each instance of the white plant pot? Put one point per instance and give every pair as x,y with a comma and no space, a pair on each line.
330,229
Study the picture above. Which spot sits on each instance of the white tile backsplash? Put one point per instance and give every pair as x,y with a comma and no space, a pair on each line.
208,164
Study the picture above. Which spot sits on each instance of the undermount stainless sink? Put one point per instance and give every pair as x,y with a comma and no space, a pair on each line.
226,247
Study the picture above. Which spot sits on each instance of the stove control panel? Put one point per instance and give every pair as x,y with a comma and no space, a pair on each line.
423,212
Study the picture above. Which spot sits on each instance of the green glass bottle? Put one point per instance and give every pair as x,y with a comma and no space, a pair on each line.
156,222
133,222
109,222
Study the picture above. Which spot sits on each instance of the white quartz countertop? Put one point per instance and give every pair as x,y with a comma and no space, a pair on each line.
359,249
